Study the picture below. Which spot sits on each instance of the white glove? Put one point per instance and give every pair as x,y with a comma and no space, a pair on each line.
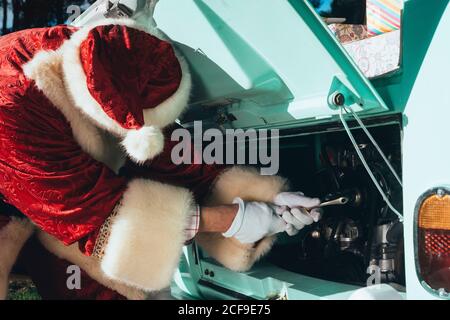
254,221
292,208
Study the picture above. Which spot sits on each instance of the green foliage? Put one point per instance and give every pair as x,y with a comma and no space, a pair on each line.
22,290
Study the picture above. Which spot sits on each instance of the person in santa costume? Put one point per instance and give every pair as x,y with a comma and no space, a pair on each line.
86,117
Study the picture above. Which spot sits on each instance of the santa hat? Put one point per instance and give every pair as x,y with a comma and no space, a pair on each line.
129,80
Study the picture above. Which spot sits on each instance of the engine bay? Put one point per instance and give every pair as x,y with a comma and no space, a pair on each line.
361,239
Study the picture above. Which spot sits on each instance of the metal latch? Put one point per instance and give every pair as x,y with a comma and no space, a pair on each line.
118,10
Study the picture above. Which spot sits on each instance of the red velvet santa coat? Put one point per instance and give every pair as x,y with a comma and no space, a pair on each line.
59,169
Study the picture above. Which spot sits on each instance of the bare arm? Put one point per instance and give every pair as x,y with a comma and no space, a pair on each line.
217,219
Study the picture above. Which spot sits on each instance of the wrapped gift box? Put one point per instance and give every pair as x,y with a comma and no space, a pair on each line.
377,56
349,32
383,16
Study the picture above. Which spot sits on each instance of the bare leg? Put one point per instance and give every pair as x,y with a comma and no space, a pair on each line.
13,236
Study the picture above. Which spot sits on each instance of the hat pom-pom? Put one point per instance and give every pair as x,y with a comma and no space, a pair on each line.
143,144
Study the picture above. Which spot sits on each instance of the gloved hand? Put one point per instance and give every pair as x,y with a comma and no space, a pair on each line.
254,221
292,207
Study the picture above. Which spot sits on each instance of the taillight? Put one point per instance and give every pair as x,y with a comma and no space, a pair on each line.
433,240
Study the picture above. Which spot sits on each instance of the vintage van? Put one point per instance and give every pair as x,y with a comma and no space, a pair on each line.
276,64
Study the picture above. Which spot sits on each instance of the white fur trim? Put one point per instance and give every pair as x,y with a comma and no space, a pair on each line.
12,238
246,183
233,254
167,112
143,144
45,69
88,264
249,185
147,235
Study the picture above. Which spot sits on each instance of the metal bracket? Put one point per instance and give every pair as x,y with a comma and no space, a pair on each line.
340,95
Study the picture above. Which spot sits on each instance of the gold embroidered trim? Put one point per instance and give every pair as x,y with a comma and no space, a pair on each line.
104,233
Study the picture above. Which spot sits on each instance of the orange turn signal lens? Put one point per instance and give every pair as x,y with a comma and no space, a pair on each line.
434,213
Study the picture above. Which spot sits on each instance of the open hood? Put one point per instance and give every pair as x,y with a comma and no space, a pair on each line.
262,62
